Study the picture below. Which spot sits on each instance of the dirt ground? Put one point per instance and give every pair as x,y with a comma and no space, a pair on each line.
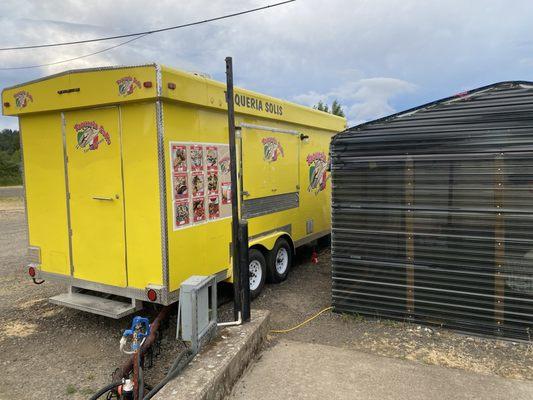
50,352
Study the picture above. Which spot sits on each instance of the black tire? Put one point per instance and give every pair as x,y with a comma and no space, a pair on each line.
256,265
279,261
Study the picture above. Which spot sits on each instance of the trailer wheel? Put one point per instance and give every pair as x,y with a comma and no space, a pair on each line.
279,261
257,271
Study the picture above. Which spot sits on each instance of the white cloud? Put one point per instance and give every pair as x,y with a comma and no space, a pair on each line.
370,53
362,99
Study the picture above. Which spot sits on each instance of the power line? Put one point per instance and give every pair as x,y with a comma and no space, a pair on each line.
74,58
146,32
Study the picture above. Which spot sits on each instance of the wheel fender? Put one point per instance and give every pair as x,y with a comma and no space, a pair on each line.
268,241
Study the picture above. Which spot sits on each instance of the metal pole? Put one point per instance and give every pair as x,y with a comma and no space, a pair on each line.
245,272
237,304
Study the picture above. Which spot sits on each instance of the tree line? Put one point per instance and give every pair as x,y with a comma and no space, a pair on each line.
336,108
10,158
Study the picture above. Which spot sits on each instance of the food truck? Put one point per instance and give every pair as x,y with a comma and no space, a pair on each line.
127,182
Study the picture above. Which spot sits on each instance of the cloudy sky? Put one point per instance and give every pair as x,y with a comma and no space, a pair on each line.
375,56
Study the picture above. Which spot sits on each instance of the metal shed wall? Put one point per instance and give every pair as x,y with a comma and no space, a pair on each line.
433,214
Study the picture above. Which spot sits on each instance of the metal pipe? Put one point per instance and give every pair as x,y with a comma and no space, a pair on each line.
244,260
125,370
232,323
136,358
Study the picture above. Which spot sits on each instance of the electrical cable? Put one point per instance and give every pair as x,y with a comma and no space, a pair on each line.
171,374
147,32
75,58
303,323
104,390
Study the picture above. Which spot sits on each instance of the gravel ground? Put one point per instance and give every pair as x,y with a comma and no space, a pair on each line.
50,352
47,351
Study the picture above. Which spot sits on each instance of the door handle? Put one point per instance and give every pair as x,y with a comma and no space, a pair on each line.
103,198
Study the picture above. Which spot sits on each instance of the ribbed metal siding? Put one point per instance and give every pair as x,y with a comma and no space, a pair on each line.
433,214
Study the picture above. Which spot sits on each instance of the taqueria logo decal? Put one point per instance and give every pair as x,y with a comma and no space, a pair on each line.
22,98
318,176
271,149
127,85
90,135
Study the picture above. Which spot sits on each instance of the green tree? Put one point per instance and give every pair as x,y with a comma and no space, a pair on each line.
10,159
336,108
321,106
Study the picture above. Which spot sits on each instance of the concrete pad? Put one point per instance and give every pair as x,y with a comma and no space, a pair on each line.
212,374
295,370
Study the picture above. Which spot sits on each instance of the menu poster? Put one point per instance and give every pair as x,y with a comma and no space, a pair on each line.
198,209
201,183
212,182
179,158
181,212
224,179
198,184
181,189
214,207
224,165
212,158
225,190
197,158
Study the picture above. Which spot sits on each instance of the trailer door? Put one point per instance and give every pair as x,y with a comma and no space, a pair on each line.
96,201
270,162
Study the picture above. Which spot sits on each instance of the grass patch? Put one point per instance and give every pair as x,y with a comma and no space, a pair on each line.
71,389
87,391
352,317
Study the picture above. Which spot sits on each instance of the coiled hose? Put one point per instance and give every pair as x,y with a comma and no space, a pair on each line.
104,390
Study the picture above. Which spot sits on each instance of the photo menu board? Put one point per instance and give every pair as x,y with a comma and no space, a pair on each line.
201,183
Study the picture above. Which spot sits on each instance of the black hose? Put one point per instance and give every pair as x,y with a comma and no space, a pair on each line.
177,367
104,390
177,360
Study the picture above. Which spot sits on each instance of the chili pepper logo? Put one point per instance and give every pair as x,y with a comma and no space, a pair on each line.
22,98
90,135
127,85
318,175
271,149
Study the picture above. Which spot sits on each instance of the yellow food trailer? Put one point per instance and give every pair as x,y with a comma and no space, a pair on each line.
127,183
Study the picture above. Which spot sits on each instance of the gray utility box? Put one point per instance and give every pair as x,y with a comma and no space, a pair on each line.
197,318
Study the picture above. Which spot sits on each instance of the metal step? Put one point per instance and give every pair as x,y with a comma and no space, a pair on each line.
94,304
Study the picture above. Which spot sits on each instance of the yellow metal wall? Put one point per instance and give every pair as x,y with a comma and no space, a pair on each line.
205,249
44,175
141,194
312,205
200,249
90,88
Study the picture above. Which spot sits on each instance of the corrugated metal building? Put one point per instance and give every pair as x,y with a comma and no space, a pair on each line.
433,213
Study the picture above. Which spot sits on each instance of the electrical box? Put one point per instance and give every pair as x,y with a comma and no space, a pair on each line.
197,318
